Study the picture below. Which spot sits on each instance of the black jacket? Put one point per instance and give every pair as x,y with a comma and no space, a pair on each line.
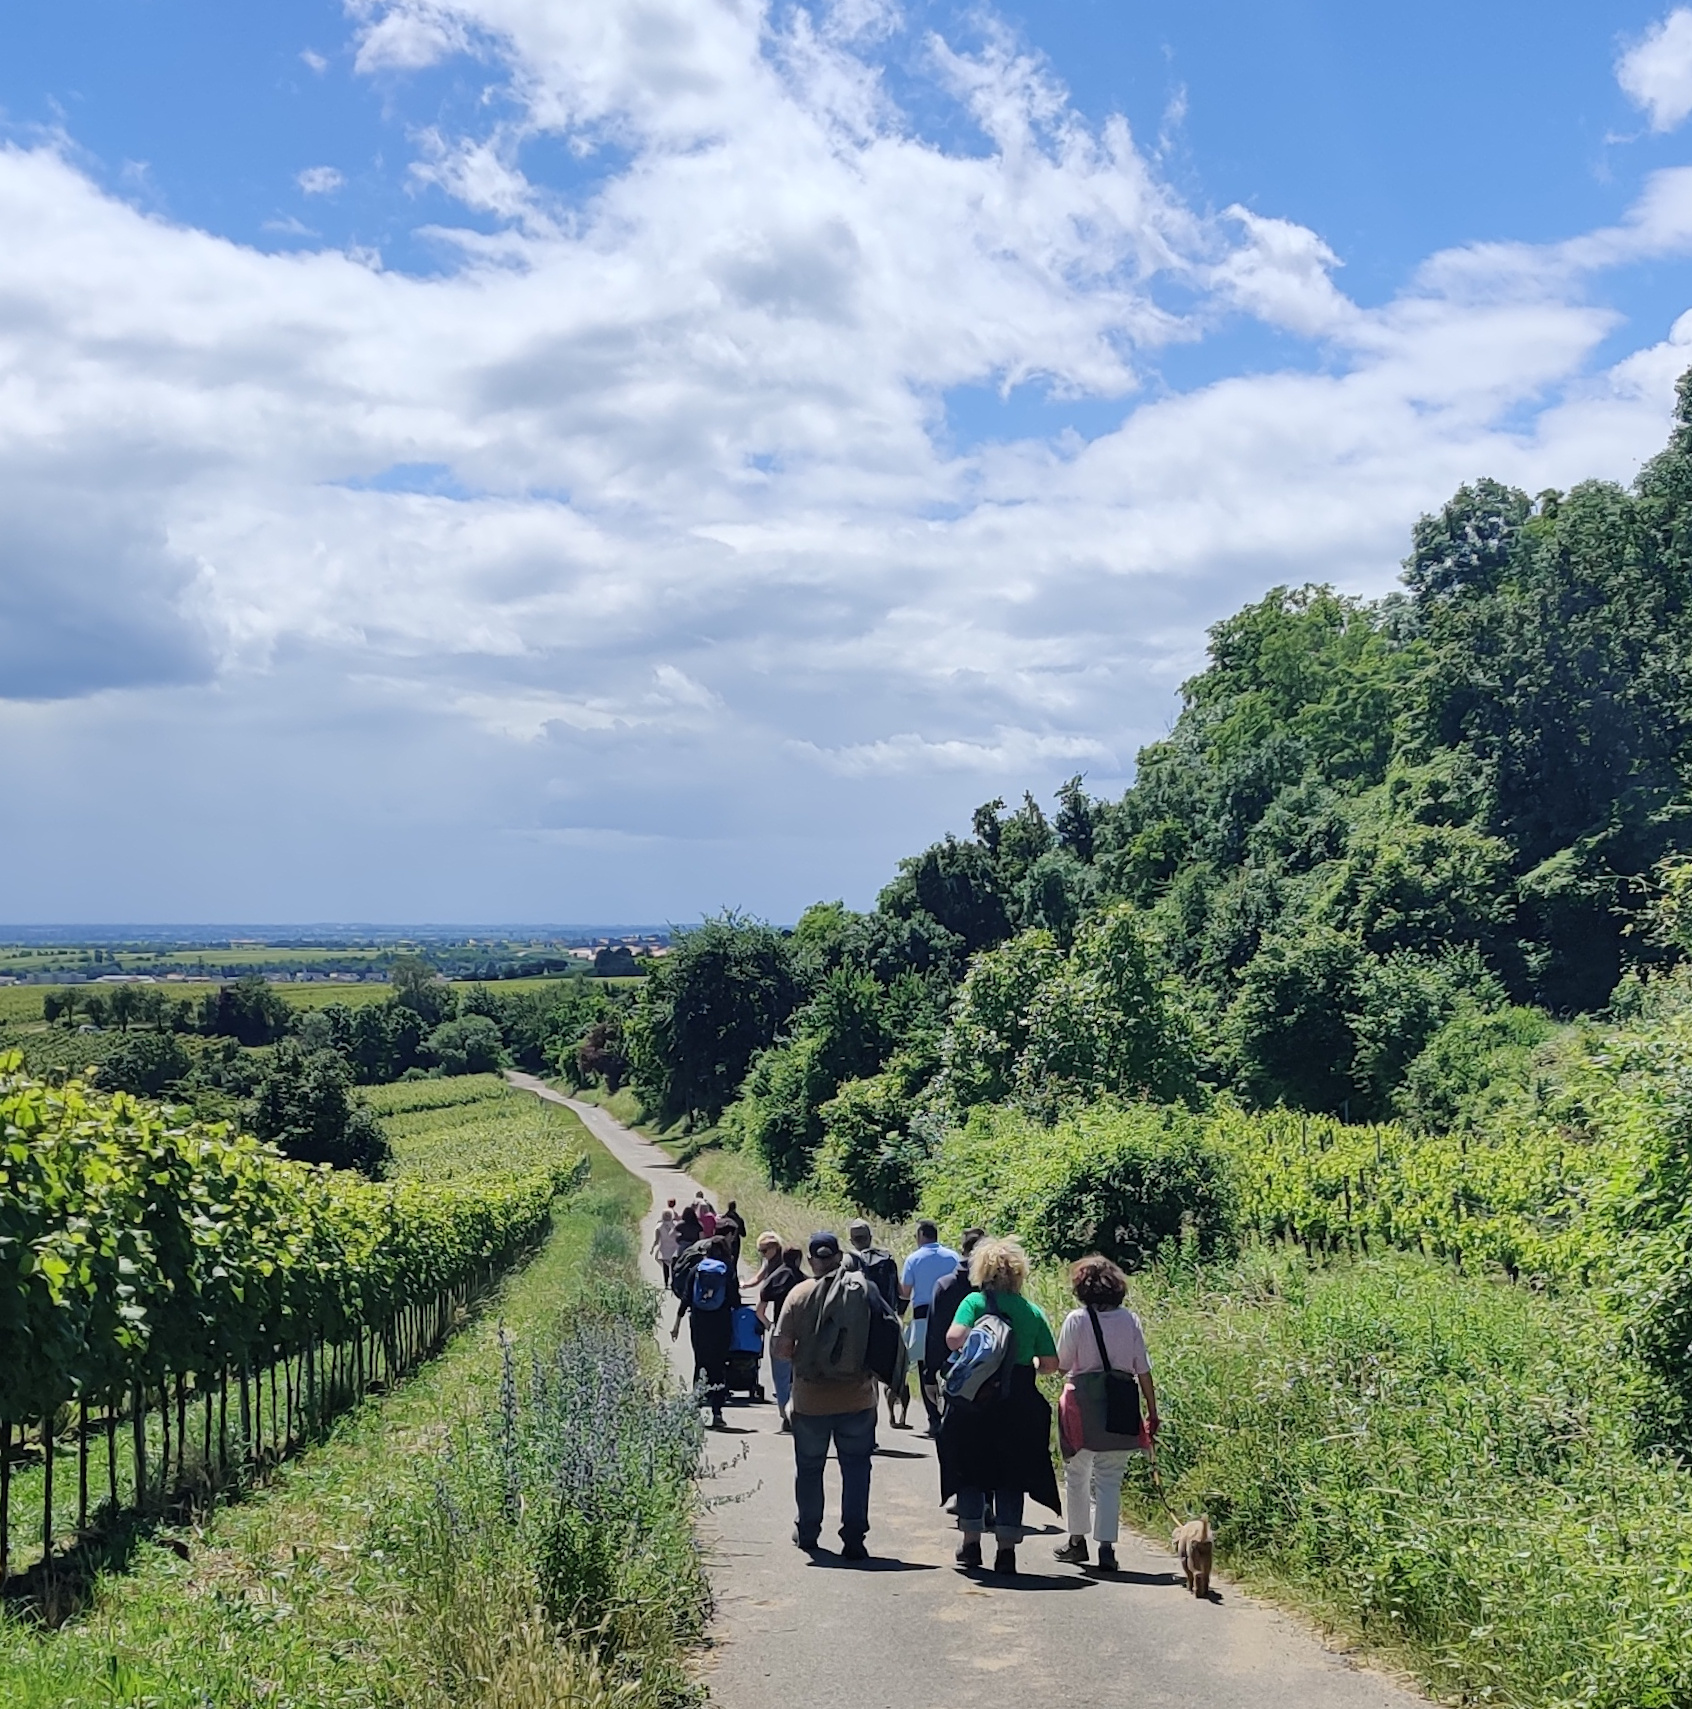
950,1292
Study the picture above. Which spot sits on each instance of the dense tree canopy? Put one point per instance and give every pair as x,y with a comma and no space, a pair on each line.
1374,825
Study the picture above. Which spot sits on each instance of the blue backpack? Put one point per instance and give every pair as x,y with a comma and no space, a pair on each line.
710,1285
980,1371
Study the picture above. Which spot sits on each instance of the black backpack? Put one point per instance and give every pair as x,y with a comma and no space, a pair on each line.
882,1271
681,1272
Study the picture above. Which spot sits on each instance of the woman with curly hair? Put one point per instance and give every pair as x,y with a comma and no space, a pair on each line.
997,1448
1102,1335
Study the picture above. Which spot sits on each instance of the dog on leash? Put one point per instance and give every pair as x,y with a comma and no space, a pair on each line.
1195,1545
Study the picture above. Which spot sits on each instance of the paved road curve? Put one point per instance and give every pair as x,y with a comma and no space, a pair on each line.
907,1631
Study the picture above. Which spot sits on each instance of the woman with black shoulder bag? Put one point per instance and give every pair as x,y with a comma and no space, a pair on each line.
1102,1354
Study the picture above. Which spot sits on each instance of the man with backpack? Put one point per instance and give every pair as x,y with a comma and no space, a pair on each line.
706,1283
882,1270
840,1335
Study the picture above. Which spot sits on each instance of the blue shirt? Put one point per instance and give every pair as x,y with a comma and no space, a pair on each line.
926,1266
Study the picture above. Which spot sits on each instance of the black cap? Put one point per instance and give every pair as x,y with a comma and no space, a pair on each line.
825,1245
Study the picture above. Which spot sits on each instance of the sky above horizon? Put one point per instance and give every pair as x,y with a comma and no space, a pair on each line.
495,459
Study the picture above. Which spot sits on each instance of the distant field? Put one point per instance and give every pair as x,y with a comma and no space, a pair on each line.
21,1004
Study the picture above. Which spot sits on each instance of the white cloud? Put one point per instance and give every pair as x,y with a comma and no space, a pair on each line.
716,558
320,180
313,60
1656,72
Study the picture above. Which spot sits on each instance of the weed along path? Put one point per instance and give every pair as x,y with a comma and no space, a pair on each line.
906,1630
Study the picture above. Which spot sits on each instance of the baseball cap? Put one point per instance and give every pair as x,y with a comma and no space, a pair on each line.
825,1245
858,1228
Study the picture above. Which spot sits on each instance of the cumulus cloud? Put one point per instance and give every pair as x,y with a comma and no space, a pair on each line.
1656,72
320,180
646,509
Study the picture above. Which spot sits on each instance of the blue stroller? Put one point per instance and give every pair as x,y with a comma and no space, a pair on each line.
746,1354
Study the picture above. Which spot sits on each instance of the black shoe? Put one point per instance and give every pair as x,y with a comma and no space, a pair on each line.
1107,1558
809,1544
1005,1562
969,1555
854,1550
1074,1552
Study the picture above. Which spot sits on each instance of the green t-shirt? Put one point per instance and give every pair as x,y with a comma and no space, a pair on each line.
1033,1333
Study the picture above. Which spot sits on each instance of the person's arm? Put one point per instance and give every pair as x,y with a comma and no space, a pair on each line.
962,1324
1045,1358
681,1312
1149,1389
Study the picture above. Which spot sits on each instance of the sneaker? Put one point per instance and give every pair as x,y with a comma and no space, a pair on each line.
1074,1552
969,1555
1107,1558
1005,1562
854,1550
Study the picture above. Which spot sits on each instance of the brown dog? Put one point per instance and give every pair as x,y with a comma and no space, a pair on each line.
1195,1545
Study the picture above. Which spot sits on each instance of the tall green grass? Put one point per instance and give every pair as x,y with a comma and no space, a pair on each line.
1444,1466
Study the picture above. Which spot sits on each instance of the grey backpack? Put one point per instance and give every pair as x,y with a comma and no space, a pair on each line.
839,1349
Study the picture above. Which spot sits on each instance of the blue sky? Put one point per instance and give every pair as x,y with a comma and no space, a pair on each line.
487,459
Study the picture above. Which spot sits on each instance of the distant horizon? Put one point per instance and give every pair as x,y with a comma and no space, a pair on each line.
217,931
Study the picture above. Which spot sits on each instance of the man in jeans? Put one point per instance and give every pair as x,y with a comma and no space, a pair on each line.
838,1410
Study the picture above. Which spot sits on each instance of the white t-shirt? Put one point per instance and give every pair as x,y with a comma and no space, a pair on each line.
669,1242
1123,1339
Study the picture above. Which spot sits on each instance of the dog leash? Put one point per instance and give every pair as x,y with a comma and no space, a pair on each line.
1157,1480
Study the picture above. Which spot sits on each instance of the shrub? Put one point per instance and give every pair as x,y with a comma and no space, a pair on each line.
1129,1181
304,1106
870,1154
145,1064
471,1045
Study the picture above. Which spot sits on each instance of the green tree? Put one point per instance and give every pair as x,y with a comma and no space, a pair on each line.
418,987
956,884
304,1105
989,1029
722,995
1103,1025
250,1011
146,1064
469,1045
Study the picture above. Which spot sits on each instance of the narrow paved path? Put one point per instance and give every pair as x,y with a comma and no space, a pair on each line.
906,1630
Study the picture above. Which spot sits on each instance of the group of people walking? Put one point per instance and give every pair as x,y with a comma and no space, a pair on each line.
846,1322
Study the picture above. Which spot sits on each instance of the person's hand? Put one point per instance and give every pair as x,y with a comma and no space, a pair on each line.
675,1330
1153,1423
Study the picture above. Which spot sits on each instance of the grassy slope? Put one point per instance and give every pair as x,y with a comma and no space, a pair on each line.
286,1599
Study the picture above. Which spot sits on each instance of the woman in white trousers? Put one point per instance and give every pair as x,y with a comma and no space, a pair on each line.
1102,1333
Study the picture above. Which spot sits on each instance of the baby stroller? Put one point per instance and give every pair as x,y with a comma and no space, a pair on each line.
746,1354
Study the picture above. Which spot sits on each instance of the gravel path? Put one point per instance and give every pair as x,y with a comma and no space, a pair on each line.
906,1630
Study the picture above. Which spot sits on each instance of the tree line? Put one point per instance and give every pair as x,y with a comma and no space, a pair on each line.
1385,843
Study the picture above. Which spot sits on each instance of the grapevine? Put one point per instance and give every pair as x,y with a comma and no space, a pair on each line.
152,1265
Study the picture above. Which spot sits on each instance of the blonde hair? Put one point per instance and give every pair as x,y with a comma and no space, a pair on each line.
1001,1265
769,1239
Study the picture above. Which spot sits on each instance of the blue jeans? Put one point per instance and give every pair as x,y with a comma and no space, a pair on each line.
853,1436
1007,1513
781,1374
